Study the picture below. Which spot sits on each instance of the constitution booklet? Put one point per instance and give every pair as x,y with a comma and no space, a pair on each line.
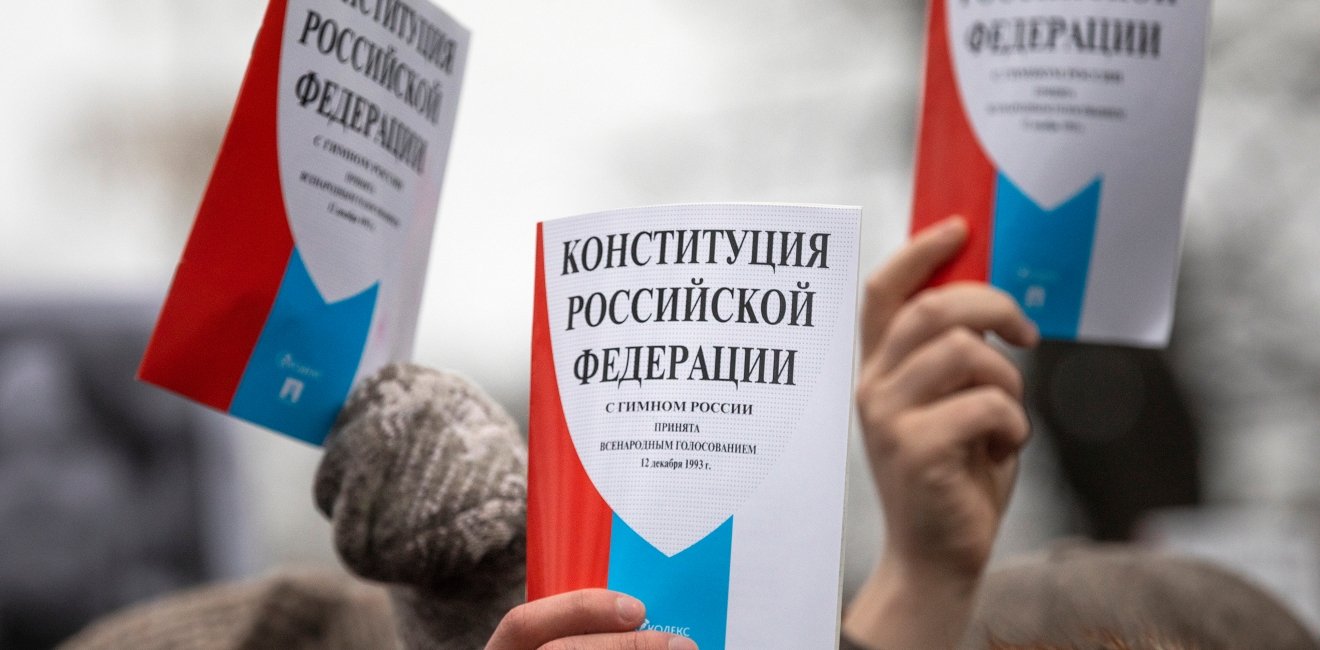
1062,131
690,401
305,265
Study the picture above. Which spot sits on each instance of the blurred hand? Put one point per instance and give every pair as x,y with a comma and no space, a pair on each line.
942,417
424,482
590,619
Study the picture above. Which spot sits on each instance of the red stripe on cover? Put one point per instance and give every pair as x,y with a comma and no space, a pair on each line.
953,173
236,255
568,523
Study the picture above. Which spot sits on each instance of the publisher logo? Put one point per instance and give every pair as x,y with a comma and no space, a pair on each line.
670,629
291,391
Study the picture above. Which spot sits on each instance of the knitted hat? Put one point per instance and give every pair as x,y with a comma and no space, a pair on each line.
424,482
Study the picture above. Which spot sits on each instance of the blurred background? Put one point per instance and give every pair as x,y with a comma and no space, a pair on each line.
111,492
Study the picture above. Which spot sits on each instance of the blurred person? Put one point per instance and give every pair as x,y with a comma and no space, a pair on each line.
1118,597
111,492
1123,432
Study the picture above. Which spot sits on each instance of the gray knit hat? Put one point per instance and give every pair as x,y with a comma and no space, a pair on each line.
424,481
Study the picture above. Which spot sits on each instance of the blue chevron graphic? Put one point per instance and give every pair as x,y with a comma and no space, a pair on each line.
1042,257
304,362
687,593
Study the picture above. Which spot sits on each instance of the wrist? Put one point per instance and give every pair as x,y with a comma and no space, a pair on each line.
905,605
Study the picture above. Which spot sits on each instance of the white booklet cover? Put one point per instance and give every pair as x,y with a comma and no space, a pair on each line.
1062,132
691,394
304,269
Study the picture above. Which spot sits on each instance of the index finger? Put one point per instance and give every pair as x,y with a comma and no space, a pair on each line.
905,274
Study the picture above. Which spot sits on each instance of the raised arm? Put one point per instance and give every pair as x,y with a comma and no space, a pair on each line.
942,417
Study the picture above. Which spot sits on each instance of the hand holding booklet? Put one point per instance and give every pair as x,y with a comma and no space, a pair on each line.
691,385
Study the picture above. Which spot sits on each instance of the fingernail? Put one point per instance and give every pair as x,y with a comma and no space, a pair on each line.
630,609
951,225
1033,335
682,643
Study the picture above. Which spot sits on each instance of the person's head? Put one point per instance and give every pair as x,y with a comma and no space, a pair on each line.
1120,598
1098,641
